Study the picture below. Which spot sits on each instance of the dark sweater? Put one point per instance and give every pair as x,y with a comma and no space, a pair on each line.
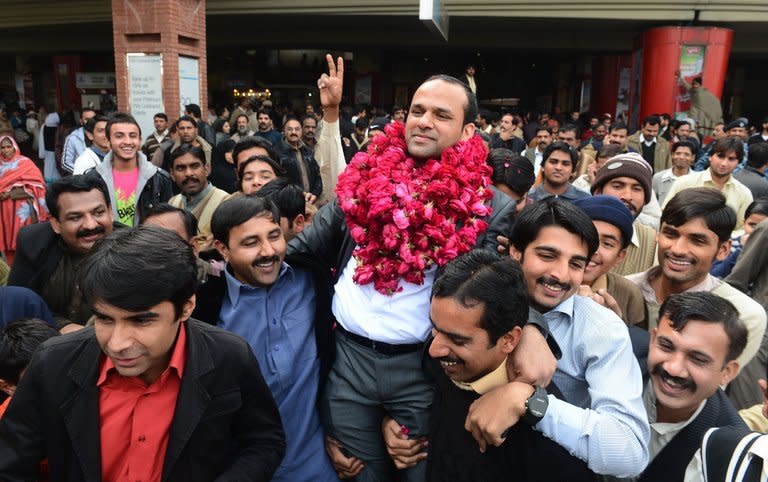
525,456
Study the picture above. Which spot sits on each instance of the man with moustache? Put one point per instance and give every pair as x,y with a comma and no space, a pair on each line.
560,161
279,305
378,333
147,393
536,154
50,252
266,127
695,230
298,160
628,177
241,129
600,418
727,153
693,353
190,171
187,133
478,309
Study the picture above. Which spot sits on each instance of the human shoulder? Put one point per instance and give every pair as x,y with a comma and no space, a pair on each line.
744,304
221,344
597,319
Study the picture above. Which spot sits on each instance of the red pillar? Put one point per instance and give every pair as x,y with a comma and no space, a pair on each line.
170,28
662,50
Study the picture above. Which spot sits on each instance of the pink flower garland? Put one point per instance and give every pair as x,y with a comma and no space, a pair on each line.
406,217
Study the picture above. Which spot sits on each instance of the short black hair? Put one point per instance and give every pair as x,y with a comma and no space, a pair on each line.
361,123
287,196
121,118
701,202
562,147
239,209
470,109
682,122
724,145
652,120
684,143
249,142
481,276
189,219
758,155
18,342
543,128
758,206
77,183
193,109
553,211
609,150
161,115
185,118
186,148
308,116
136,269
708,307
698,80
618,126
571,128
90,124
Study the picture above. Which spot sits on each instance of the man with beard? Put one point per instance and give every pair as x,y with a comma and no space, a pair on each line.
266,127
278,304
186,130
309,131
241,128
600,417
506,137
298,160
694,351
654,149
478,309
560,161
190,171
618,135
203,128
135,184
613,222
596,140
536,154
385,333
726,156
49,253
695,230
628,178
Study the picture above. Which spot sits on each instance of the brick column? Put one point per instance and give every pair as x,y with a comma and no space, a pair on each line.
167,27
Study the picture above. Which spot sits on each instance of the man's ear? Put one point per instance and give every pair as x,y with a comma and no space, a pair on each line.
55,225
729,372
189,307
298,224
723,250
515,253
468,131
621,256
510,339
222,249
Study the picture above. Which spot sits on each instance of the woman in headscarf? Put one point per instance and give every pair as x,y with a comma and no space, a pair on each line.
22,195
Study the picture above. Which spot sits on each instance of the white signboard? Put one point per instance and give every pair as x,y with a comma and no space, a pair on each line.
432,14
189,82
145,89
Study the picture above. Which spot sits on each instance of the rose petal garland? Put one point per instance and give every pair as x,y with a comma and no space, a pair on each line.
406,217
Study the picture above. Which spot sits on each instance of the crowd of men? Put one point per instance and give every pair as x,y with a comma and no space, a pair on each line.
197,307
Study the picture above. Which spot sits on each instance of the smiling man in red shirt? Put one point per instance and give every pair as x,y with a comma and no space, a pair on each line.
147,394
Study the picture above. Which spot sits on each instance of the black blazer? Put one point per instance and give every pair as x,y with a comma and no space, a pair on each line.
226,426
39,250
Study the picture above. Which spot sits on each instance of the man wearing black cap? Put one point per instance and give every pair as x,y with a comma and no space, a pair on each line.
613,222
628,178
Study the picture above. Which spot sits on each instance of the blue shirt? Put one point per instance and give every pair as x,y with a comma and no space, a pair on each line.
278,324
602,419
571,194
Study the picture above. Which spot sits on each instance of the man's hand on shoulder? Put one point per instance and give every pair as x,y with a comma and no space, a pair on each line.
492,414
532,361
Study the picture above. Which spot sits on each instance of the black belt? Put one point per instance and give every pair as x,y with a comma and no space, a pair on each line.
379,346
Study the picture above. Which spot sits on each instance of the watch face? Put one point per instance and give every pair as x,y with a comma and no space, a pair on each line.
537,406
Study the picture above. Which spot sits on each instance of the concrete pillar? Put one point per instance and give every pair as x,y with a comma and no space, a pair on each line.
171,28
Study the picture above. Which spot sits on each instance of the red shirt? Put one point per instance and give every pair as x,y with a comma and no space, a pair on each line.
136,419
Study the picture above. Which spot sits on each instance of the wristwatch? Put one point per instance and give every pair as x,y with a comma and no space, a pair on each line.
536,406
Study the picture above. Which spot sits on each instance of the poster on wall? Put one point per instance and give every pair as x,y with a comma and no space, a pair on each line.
145,89
691,66
363,89
189,82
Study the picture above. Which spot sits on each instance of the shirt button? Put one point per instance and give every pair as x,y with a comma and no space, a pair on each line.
274,321
142,438
277,347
